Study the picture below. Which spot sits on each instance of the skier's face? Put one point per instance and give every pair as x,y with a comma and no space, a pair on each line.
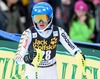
41,21
42,25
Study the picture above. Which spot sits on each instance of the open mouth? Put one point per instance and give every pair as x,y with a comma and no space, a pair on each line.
41,25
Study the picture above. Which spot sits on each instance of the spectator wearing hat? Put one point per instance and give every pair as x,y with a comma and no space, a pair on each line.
82,24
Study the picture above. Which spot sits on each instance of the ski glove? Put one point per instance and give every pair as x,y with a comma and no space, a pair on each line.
29,58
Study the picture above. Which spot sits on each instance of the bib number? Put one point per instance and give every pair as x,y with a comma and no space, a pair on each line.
47,55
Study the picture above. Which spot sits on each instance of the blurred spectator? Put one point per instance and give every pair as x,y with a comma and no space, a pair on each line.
67,12
23,9
3,18
13,16
97,16
91,7
57,19
91,10
98,37
83,24
96,2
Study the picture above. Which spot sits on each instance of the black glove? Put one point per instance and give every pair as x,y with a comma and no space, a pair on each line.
29,58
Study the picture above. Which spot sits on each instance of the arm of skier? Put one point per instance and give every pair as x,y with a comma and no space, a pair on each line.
23,46
73,49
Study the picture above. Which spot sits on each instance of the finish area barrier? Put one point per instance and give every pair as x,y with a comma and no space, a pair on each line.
66,66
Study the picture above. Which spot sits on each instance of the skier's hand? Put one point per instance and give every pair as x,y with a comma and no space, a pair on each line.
28,58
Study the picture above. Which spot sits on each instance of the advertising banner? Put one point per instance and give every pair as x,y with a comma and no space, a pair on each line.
66,66
69,69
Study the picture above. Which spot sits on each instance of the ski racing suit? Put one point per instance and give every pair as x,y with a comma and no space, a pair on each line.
46,41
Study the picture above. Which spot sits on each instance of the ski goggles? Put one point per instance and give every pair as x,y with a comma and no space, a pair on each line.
38,18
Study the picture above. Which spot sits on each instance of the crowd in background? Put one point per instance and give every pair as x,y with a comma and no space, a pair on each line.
79,18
